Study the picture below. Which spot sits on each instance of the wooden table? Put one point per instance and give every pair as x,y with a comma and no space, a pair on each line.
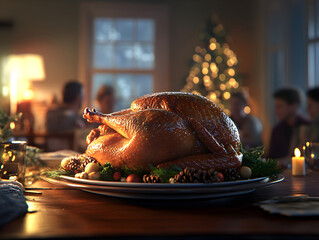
68,213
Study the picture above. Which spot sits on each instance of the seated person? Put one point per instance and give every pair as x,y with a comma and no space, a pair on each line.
249,126
65,118
105,104
313,110
105,99
284,134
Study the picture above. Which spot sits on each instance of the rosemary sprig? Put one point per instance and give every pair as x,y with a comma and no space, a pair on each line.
56,173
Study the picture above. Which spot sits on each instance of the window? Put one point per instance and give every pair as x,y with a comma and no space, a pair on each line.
125,46
277,46
284,45
313,43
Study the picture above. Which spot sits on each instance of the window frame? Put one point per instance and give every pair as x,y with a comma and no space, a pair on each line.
313,4
159,13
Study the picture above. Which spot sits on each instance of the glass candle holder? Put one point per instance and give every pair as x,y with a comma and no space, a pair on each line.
312,155
12,156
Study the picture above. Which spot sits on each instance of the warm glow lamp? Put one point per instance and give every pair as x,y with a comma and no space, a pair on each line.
21,69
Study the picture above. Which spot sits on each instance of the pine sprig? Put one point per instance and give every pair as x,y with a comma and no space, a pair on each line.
56,173
252,155
165,174
5,120
269,168
31,156
260,167
126,171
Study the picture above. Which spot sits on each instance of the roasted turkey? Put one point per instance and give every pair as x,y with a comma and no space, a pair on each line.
165,129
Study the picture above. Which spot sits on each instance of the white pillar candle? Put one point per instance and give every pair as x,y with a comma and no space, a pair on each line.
298,164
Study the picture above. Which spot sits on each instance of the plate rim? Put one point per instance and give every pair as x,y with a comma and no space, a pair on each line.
161,185
176,190
165,192
171,196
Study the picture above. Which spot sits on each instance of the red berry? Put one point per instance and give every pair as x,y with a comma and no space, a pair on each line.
117,176
221,176
133,178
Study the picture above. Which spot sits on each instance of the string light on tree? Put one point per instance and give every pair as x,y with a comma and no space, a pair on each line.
213,72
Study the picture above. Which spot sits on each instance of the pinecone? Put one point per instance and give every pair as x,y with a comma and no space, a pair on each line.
74,165
209,176
231,174
85,160
191,175
152,179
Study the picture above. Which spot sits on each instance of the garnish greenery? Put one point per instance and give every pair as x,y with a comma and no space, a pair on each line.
126,171
252,158
31,156
106,172
260,167
164,173
5,129
56,173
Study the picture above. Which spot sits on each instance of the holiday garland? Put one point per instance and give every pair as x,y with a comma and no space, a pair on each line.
252,160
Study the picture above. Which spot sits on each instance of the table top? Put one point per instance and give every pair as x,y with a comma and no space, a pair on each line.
61,212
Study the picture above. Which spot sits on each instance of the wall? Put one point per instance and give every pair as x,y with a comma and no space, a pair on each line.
51,28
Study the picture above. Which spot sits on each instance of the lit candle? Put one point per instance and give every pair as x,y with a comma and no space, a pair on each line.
298,164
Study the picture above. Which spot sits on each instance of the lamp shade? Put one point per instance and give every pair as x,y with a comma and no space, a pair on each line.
29,66
21,69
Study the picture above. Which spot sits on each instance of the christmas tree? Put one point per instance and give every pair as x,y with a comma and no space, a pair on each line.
213,72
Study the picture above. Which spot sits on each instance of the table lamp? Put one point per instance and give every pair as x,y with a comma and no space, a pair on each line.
21,69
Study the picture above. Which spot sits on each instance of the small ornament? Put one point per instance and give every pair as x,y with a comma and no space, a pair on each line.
65,162
85,160
172,180
91,167
117,176
94,176
221,176
133,178
84,175
123,179
245,172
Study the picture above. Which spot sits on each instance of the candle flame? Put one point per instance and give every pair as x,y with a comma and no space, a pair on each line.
297,152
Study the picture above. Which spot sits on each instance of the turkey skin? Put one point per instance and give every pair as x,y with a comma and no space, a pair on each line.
165,129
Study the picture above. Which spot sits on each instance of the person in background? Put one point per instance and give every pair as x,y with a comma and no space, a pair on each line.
65,117
105,104
313,110
249,126
105,99
284,135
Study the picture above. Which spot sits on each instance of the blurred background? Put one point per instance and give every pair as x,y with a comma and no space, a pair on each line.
139,47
